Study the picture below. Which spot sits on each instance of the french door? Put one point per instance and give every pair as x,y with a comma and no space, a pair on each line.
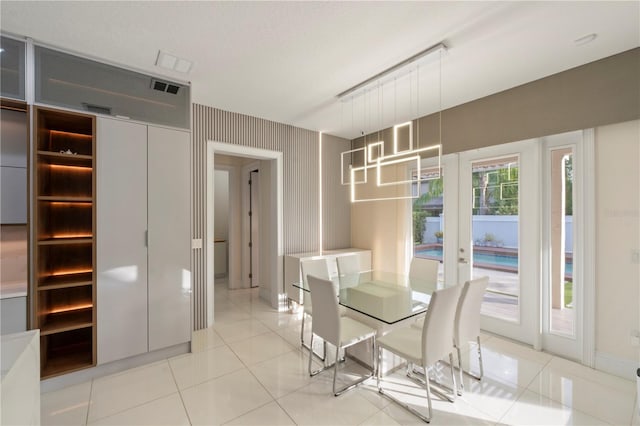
498,235
512,213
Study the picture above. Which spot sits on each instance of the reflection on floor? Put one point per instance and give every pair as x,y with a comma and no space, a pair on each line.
249,370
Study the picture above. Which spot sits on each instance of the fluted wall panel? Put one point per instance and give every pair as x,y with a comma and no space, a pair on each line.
336,205
301,197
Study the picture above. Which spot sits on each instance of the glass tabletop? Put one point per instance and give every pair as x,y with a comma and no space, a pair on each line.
385,296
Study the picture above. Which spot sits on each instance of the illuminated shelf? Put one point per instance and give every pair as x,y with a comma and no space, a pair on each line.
66,321
63,281
60,155
65,199
64,184
62,241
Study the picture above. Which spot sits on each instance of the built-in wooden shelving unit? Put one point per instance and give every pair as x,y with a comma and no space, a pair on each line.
64,201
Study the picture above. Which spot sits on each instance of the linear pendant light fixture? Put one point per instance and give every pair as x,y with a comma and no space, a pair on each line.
372,157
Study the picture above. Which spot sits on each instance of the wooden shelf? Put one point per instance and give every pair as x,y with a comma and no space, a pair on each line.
64,305
65,352
64,199
63,241
64,281
65,156
67,321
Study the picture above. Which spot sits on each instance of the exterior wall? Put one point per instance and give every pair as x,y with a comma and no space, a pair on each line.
504,228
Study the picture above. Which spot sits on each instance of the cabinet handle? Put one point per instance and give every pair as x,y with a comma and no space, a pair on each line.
146,238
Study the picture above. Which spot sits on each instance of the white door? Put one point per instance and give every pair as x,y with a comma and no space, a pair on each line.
498,234
562,236
121,186
169,198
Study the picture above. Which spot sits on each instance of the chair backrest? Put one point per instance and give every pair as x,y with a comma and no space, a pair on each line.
437,330
316,267
348,264
326,315
424,270
467,322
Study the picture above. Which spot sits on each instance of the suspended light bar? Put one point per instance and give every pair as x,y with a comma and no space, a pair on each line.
397,67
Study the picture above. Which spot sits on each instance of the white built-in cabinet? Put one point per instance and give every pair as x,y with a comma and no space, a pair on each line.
143,249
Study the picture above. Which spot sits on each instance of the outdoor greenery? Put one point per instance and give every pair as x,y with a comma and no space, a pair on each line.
434,189
568,293
568,185
495,192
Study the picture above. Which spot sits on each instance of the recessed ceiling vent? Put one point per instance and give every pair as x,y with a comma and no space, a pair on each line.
164,86
97,109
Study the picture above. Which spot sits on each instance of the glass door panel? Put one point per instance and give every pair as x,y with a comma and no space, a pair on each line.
427,216
498,234
495,229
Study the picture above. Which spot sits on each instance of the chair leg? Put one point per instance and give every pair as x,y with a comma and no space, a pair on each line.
428,386
453,377
354,383
335,370
311,373
407,407
480,359
302,330
459,369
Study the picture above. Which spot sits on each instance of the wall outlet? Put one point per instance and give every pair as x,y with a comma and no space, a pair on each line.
634,338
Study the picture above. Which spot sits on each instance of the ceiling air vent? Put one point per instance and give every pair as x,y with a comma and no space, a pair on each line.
164,86
97,109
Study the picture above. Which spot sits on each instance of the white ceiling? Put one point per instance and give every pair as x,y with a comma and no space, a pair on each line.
287,61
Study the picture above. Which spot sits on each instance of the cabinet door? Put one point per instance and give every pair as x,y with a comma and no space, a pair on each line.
121,201
169,238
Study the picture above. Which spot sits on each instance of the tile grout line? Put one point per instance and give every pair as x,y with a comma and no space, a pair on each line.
138,405
86,421
184,406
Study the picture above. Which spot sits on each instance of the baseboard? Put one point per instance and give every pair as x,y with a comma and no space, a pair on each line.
620,367
82,376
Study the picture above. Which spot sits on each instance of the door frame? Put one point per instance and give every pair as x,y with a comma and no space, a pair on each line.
272,276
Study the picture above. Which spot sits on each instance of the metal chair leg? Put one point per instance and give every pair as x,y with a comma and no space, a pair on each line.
407,407
459,370
480,359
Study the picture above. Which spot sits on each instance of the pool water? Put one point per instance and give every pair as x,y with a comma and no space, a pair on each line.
487,259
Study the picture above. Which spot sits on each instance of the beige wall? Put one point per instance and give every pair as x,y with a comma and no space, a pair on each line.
617,234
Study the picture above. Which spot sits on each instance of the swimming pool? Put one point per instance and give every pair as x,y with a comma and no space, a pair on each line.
488,259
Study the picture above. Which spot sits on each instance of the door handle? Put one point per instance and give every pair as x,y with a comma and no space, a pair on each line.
463,260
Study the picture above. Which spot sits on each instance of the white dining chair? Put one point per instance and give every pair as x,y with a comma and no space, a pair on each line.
317,268
348,269
424,269
467,322
424,346
342,332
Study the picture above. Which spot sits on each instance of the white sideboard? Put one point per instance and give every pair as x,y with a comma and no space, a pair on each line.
292,273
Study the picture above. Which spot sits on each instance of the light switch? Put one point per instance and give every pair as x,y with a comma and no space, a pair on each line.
196,243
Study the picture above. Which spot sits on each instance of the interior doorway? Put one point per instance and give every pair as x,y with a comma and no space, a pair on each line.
254,242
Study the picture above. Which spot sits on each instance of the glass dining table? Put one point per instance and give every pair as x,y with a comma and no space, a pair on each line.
383,296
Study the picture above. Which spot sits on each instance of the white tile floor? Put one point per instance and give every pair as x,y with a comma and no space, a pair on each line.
249,370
